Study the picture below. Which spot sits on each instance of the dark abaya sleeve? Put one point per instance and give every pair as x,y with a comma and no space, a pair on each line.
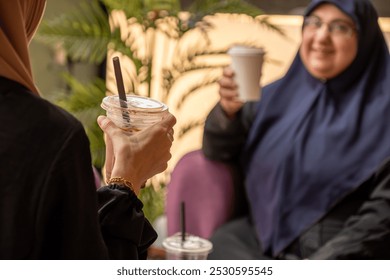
126,231
224,138
366,235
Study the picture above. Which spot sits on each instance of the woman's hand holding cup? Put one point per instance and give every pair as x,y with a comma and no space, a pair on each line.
228,92
137,157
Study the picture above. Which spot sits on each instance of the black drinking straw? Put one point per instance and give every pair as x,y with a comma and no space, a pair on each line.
121,88
183,221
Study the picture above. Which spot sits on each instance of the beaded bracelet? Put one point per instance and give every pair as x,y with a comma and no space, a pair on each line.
121,181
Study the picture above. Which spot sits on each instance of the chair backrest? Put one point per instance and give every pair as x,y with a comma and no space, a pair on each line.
207,189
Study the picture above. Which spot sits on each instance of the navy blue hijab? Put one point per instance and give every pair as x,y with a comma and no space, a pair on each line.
313,142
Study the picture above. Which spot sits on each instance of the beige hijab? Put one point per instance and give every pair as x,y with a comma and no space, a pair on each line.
19,20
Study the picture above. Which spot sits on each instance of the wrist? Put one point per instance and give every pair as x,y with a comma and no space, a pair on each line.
130,174
117,180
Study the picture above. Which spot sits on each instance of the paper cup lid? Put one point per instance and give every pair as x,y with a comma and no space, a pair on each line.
244,50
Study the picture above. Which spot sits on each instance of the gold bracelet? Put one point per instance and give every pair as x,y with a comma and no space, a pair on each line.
121,181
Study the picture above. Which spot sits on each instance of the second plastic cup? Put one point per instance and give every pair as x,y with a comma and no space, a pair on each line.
192,248
136,113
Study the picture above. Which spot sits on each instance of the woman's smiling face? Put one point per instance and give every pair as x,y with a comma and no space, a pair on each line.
329,42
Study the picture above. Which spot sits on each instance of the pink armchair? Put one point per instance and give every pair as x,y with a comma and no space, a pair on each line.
209,190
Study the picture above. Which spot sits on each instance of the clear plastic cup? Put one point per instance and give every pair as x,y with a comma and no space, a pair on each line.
192,248
247,65
136,114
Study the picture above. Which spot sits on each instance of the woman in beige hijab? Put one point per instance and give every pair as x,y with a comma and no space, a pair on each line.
19,21
49,208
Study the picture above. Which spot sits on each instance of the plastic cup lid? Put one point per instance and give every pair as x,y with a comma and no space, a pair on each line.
134,102
140,102
192,244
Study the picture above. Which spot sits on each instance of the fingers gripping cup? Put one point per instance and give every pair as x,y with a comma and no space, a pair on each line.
191,248
247,63
136,114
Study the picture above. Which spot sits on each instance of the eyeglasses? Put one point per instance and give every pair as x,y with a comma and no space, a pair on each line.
336,27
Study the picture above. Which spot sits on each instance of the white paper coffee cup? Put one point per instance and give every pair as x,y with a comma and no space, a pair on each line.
247,63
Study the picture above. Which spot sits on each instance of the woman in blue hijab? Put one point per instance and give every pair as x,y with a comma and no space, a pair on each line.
309,149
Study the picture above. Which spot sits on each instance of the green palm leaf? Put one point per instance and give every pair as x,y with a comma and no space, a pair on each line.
172,6
84,103
83,96
132,8
153,200
140,9
84,33
201,8
210,7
